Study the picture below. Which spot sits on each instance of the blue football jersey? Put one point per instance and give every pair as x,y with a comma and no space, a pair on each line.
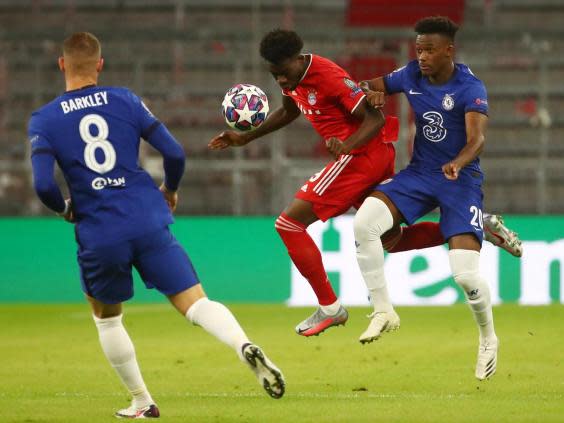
94,135
439,113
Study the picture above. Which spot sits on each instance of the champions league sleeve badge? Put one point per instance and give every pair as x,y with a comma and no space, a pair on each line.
448,102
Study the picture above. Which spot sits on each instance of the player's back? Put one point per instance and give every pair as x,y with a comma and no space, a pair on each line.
94,134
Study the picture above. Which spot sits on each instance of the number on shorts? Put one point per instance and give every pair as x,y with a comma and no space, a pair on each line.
477,218
94,142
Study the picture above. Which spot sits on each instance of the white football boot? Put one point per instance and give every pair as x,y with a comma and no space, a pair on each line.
381,322
487,358
132,412
269,376
499,235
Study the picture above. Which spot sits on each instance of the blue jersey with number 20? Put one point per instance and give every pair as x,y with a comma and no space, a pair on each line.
94,135
440,113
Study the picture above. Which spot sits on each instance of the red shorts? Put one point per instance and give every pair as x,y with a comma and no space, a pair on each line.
345,183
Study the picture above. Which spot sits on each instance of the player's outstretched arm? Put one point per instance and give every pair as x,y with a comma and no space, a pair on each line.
279,118
372,122
475,139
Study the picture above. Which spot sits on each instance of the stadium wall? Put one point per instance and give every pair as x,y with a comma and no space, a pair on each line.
242,260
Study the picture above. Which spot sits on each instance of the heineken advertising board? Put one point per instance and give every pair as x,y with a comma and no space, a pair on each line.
243,260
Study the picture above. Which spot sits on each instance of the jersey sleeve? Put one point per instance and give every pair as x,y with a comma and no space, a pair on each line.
346,91
144,117
37,137
43,166
476,99
395,81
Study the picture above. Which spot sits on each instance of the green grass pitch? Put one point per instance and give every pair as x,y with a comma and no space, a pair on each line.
53,370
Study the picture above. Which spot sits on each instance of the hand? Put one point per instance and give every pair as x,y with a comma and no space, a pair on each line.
451,170
227,139
364,86
376,99
68,213
171,197
335,147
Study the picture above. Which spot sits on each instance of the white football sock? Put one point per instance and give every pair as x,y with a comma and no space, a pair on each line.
372,220
119,350
465,266
331,309
217,320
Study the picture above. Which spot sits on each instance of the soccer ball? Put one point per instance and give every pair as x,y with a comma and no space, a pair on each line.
245,107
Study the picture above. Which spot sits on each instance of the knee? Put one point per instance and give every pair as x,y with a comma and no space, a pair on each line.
465,266
372,220
285,224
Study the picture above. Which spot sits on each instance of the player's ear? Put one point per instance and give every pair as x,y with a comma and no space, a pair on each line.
450,49
100,65
62,63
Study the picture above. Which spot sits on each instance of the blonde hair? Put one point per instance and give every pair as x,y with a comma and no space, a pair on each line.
82,52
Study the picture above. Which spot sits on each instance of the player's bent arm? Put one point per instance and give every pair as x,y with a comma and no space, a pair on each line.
43,166
174,158
475,123
372,122
281,117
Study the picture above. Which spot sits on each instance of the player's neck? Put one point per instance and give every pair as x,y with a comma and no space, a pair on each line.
76,83
443,76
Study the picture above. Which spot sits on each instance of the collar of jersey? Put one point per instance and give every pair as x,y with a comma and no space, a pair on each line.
307,69
81,88
452,79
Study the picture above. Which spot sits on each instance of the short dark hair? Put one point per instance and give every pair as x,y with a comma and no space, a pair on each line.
437,25
279,45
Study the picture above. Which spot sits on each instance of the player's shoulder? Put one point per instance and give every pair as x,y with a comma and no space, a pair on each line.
47,108
325,67
410,70
123,92
466,76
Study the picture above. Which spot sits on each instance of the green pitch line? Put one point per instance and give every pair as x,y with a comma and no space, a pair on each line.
53,370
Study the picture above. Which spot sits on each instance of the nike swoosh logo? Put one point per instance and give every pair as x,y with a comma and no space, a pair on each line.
414,92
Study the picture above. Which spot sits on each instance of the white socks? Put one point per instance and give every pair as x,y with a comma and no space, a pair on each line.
465,266
372,220
120,352
217,320
331,309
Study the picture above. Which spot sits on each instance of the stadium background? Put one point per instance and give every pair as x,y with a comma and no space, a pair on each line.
182,55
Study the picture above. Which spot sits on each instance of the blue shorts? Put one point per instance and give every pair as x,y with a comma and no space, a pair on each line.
416,192
105,272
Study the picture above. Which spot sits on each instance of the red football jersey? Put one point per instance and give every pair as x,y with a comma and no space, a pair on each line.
327,96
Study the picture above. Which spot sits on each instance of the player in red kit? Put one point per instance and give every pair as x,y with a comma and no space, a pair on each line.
357,135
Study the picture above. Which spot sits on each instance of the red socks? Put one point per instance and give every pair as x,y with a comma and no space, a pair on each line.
306,256
414,237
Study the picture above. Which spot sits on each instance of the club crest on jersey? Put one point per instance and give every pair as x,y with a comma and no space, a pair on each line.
448,102
311,98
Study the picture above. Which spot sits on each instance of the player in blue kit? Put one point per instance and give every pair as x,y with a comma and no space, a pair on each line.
121,217
451,107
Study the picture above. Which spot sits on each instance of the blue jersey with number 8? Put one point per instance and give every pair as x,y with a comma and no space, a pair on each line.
94,135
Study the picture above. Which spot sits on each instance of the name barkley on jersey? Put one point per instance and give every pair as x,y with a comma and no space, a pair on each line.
90,100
